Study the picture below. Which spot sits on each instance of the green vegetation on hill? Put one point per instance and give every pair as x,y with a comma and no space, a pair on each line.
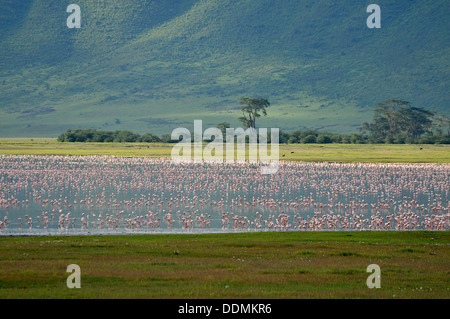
153,65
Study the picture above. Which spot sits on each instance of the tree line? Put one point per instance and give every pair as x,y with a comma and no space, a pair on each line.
98,136
394,122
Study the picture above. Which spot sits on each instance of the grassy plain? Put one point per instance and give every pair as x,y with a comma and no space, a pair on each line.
236,265
364,153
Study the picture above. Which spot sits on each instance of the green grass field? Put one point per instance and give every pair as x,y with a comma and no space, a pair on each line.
237,265
364,153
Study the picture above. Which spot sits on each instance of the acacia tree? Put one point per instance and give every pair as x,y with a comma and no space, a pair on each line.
441,124
388,116
223,127
417,121
251,109
394,118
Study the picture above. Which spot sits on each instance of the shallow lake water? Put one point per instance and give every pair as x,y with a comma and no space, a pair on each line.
49,195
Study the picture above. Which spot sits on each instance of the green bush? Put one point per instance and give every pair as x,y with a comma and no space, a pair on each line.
323,139
309,139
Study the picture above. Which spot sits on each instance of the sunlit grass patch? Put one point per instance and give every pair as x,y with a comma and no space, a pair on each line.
348,153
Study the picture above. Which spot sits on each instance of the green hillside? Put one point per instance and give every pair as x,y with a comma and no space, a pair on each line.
152,66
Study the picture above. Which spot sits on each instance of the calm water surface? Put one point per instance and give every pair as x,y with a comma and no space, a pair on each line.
103,195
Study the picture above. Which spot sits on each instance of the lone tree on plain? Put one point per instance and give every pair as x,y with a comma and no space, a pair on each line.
223,127
393,118
252,108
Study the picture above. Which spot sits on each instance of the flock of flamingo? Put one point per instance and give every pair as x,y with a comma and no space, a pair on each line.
98,194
